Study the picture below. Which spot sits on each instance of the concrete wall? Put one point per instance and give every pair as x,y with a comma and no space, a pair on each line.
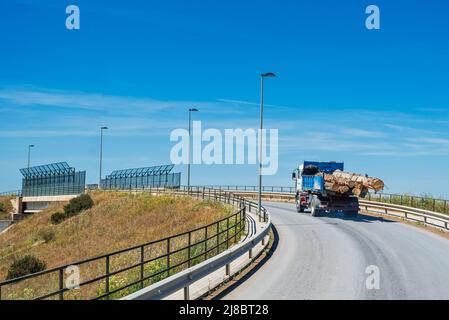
37,204
17,205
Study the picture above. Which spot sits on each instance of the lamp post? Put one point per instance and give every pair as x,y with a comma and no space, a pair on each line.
101,153
188,163
262,77
29,153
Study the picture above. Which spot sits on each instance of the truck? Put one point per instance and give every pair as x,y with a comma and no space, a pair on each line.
312,195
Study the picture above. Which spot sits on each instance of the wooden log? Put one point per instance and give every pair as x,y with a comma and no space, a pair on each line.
368,182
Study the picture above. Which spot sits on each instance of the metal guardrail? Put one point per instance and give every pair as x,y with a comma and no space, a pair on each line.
253,188
428,217
185,279
426,203
180,251
420,202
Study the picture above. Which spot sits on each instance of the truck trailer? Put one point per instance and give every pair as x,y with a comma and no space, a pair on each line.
312,195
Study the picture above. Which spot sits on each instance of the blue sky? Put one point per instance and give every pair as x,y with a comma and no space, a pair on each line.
376,99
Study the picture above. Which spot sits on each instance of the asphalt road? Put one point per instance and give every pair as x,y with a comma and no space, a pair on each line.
4,225
328,257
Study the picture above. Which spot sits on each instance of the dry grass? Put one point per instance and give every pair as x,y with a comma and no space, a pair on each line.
5,207
425,201
117,221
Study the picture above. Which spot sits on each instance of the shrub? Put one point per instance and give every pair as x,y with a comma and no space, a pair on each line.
78,204
27,265
2,207
46,234
58,217
74,207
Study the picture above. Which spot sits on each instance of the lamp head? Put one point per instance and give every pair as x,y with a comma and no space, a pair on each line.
268,74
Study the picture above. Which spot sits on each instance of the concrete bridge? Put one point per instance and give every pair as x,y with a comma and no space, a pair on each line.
30,205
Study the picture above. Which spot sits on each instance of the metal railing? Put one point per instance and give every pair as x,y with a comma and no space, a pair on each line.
172,254
53,191
379,204
426,217
253,188
426,203
15,193
419,202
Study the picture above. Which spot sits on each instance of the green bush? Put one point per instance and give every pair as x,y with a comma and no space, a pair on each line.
73,208
2,207
46,234
58,217
27,265
78,204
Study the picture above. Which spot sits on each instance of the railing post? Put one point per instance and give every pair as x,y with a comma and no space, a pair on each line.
168,257
218,237
142,261
186,293
205,244
107,277
61,284
227,233
235,229
228,269
190,244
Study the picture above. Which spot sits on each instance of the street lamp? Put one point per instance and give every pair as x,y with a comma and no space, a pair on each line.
29,153
188,163
262,77
101,152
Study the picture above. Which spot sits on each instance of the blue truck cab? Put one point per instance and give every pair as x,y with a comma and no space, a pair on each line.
311,194
314,183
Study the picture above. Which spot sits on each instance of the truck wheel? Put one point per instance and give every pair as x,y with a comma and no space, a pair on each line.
354,207
352,214
315,207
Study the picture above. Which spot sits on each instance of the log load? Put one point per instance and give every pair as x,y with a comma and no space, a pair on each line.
350,183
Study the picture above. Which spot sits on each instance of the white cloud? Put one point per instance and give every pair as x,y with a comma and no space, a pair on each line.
363,133
81,100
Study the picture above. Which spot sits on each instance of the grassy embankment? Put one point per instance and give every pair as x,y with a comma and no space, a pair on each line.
5,207
117,221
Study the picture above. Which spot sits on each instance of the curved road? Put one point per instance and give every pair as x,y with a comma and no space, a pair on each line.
327,258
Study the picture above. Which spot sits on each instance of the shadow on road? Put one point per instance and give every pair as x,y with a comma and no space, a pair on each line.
359,218
335,215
